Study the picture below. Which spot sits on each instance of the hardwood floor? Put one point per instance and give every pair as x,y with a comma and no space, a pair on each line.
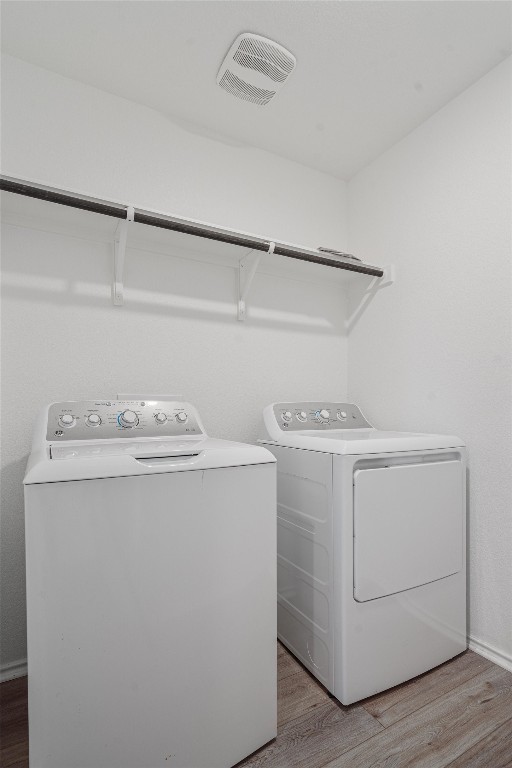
14,724
458,715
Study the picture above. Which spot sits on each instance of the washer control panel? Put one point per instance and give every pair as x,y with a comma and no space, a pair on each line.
104,419
291,417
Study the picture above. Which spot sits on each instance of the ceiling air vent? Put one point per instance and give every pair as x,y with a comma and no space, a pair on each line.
255,68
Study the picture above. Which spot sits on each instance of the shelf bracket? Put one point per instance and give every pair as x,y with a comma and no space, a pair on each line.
247,267
120,239
388,278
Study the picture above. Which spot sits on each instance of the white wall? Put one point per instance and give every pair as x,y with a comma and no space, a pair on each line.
433,352
62,133
177,332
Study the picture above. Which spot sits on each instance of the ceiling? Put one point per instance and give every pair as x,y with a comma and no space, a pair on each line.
367,72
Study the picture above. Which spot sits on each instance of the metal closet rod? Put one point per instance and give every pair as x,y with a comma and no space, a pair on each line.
179,225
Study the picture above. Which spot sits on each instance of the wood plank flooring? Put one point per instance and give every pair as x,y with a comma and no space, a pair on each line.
14,724
457,715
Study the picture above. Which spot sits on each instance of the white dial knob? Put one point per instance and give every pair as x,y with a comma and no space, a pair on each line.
128,419
286,416
324,414
302,416
67,420
181,417
341,415
93,420
160,418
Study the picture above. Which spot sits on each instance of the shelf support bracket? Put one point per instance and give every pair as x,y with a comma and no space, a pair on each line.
247,267
120,239
388,278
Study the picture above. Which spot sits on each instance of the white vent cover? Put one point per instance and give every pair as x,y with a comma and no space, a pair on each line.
255,68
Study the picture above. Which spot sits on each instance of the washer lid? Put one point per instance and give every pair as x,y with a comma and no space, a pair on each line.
92,439
108,458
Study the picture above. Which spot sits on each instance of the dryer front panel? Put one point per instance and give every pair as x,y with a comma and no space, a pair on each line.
408,526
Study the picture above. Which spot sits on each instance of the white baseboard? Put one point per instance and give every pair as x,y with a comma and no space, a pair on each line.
498,657
12,670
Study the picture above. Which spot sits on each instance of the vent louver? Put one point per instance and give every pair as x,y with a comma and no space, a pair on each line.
232,84
255,68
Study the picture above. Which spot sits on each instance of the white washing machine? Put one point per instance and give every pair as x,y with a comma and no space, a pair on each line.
371,546
150,588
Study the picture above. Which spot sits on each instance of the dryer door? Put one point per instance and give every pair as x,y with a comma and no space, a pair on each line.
408,526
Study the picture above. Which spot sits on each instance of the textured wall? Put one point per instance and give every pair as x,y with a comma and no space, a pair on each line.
62,133
177,332
433,352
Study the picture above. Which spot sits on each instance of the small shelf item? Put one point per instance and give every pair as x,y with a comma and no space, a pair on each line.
338,253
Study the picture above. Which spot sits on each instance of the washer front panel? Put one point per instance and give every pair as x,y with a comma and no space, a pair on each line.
178,419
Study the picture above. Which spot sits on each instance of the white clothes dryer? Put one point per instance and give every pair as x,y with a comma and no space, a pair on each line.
150,589
371,546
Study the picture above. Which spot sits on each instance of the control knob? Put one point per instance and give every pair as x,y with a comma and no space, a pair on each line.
128,419
160,418
302,416
93,420
341,415
67,420
286,416
181,417
324,414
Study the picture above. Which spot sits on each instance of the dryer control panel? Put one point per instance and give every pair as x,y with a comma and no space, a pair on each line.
114,419
321,416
